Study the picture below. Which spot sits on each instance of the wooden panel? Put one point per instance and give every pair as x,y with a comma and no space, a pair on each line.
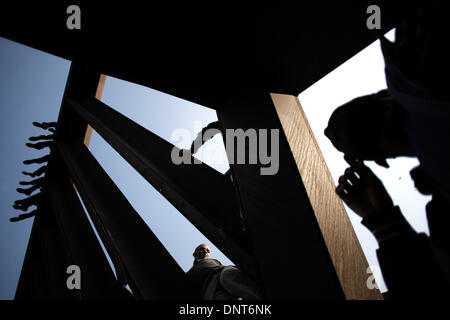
343,245
98,96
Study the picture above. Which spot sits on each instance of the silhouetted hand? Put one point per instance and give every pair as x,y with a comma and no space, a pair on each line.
362,191
44,125
42,137
29,190
38,160
423,183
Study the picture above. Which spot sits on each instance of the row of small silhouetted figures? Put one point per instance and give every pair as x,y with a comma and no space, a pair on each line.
45,141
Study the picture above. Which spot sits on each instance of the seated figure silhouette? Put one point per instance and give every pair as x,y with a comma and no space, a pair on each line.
437,215
24,216
24,204
36,173
42,137
45,125
410,118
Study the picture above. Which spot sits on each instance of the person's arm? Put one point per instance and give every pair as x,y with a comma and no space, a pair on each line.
406,258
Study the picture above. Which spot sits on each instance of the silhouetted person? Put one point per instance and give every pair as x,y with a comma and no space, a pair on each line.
437,209
42,137
38,160
24,204
418,54
45,125
423,183
24,216
416,68
40,145
206,134
211,280
37,181
36,173
30,190
411,265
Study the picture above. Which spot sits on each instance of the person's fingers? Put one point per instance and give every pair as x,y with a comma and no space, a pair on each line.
20,208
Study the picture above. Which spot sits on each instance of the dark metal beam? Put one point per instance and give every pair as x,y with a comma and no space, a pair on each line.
82,246
287,240
203,56
82,83
204,196
151,270
32,284
43,273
